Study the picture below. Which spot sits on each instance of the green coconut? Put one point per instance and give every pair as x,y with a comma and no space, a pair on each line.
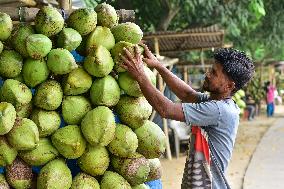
107,15
54,175
101,36
141,186
130,86
117,50
19,174
84,181
6,26
99,62
48,95
83,20
241,103
133,111
74,108
69,141
48,21
35,72
98,126
24,110
135,170
237,96
112,180
125,142
1,49
47,121
24,135
78,81
38,45
152,140
241,92
15,92
155,169
60,61
19,36
105,91
11,64
42,154
95,160
3,183
8,117
69,39
129,32
7,153
117,162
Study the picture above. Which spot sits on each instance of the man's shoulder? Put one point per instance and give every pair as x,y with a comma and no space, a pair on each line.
228,108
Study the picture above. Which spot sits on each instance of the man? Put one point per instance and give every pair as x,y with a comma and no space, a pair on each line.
214,119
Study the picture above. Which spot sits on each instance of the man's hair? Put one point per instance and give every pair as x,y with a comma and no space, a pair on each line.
237,65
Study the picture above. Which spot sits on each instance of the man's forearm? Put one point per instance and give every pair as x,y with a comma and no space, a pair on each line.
182,90
165,107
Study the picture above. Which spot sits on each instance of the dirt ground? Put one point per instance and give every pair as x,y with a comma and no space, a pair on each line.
248,137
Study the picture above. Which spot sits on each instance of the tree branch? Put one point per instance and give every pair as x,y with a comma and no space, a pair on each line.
167,18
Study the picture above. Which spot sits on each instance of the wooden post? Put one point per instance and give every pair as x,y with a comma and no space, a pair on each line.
202,59
185,74
156,44
65,4
165,123
162,88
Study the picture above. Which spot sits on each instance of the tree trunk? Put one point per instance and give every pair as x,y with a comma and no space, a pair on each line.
166,19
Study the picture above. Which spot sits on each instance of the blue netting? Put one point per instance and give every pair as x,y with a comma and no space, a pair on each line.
155,184
78,58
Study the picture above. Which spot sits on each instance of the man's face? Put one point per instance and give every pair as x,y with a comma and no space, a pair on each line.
216,81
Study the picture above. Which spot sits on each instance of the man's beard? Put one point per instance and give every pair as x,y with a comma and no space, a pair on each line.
207,87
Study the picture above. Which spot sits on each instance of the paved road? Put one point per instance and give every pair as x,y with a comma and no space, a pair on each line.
266,169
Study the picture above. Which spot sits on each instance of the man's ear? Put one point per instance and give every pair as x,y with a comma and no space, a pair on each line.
231,85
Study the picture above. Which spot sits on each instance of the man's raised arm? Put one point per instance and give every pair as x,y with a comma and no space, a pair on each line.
183,91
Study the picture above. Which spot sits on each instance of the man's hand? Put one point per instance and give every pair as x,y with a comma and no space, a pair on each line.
149,59
133,63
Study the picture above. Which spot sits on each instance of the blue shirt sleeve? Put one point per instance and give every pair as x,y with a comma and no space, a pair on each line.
205,113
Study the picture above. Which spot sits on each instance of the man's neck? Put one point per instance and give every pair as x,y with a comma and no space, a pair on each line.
214,96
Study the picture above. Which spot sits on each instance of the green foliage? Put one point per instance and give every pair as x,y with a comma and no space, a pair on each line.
257,7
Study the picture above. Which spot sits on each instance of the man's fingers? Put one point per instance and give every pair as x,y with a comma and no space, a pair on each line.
125,60
146,60
146,49
137,53
124,66
128,54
